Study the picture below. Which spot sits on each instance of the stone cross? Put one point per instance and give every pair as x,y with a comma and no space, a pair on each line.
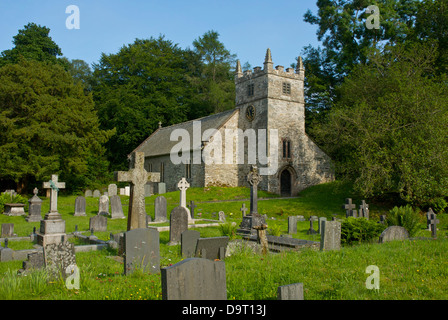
348,206
428,218
54,185
137,176
183,185
433,223
254,179
243,210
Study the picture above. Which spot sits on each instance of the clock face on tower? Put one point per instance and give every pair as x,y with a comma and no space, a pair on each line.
250,113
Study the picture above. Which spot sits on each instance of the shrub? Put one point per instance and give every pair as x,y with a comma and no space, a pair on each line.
6,198
405,217
275,230
228,229
359,230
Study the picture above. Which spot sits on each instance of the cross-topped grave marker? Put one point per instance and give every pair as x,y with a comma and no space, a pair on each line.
349,207
54,185
433,224
254,179
183,185
243,210
137,176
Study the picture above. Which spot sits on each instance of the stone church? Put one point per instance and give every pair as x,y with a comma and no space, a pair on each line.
266,98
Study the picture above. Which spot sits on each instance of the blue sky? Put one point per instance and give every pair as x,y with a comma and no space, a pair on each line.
246,27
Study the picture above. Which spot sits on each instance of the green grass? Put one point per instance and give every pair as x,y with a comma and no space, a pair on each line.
416,269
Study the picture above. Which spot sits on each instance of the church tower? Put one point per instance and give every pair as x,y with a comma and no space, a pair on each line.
273,99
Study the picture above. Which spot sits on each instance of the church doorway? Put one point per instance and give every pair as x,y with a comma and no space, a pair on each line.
285,183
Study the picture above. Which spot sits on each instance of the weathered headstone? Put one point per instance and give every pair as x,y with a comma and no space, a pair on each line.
330,237
201,279
349,208
364,210
35,260
321,219
112,190
178,224
212,248
162,187
221,216
34,210
103,205
116,208
98,223
243,210
394,233
141,250
138,177
192,206
160,214
188,242
122,192
58,257
433,225
52,228
96,193
7,230
6,254
80,206
292,291
127,191
292,224
14,209
183,185
88,193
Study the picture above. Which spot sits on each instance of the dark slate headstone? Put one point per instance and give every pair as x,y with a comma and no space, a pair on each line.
330,237
188,242
7,230
212,248
394,233
141,250
178,224
98,223
292,224
290,292
80,206
116,208
160,209
57,257
201,279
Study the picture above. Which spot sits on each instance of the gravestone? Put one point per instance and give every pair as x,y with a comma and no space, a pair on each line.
292,291
178,224
433,225
292,224
52,228
34,210
212,248
349,208
330,237
192,206
311,229
221,216
394,233
188,242
57,257
364,210
116,208
122,192
96,193
112,190
428,219
14,209
183,185
138,177
88,193
162,187
321,219
35,260
160,213
243,210
141,250
7,230
201,279
80,206
103,205
98,223
6,254
148,189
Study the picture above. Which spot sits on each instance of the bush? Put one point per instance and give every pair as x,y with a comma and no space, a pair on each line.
6,198
359,230
228,229
275,230
405,217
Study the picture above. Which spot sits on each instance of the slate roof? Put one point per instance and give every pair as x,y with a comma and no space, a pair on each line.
158,143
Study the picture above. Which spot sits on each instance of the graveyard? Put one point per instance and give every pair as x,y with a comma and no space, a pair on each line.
414,268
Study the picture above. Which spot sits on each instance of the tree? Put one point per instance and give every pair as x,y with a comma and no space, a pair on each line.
47,125
388,132
81,73
144,83
215,86
32,43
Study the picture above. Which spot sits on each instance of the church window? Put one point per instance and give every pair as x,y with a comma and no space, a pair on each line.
250,90
286,144
162,172
188,170
286,88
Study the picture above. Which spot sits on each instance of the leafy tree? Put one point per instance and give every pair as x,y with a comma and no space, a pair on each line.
387,133
81,73
32,43
47,125
144,83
